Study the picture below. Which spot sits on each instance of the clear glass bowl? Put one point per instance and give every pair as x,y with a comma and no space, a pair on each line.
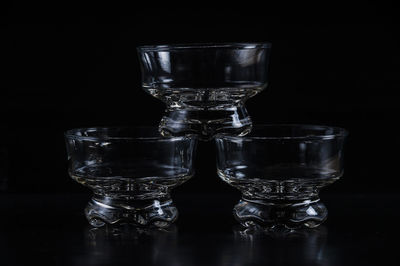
205,86
280,170
131,172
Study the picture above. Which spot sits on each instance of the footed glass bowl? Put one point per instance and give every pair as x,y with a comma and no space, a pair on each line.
205,86
280,170
131,172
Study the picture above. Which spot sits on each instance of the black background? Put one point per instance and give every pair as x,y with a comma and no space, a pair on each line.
67,65
71,65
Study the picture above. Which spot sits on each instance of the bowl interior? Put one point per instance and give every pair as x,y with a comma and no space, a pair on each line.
107,133
294,131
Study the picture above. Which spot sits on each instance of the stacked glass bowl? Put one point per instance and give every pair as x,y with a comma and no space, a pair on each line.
278,168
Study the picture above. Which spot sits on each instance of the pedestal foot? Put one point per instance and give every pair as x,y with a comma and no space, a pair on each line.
268,214
156,212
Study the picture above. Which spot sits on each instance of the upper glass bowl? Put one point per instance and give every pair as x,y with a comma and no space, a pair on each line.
205,86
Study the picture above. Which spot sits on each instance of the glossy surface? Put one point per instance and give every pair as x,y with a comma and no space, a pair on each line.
52,230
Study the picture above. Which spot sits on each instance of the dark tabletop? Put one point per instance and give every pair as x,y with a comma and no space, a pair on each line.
51,229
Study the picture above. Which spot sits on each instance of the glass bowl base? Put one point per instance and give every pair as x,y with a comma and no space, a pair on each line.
102,211
232,120
274,214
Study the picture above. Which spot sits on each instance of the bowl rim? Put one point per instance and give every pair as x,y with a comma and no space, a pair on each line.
340,133
72,134
185,46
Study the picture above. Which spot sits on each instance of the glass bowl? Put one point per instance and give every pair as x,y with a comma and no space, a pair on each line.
280,170
205,86
131,172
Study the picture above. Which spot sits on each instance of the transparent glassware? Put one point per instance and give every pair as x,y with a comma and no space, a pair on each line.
205,86
131,172
280,170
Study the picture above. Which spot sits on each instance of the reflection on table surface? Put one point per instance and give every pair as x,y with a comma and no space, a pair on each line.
288,246
147,246
167,247
52,230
